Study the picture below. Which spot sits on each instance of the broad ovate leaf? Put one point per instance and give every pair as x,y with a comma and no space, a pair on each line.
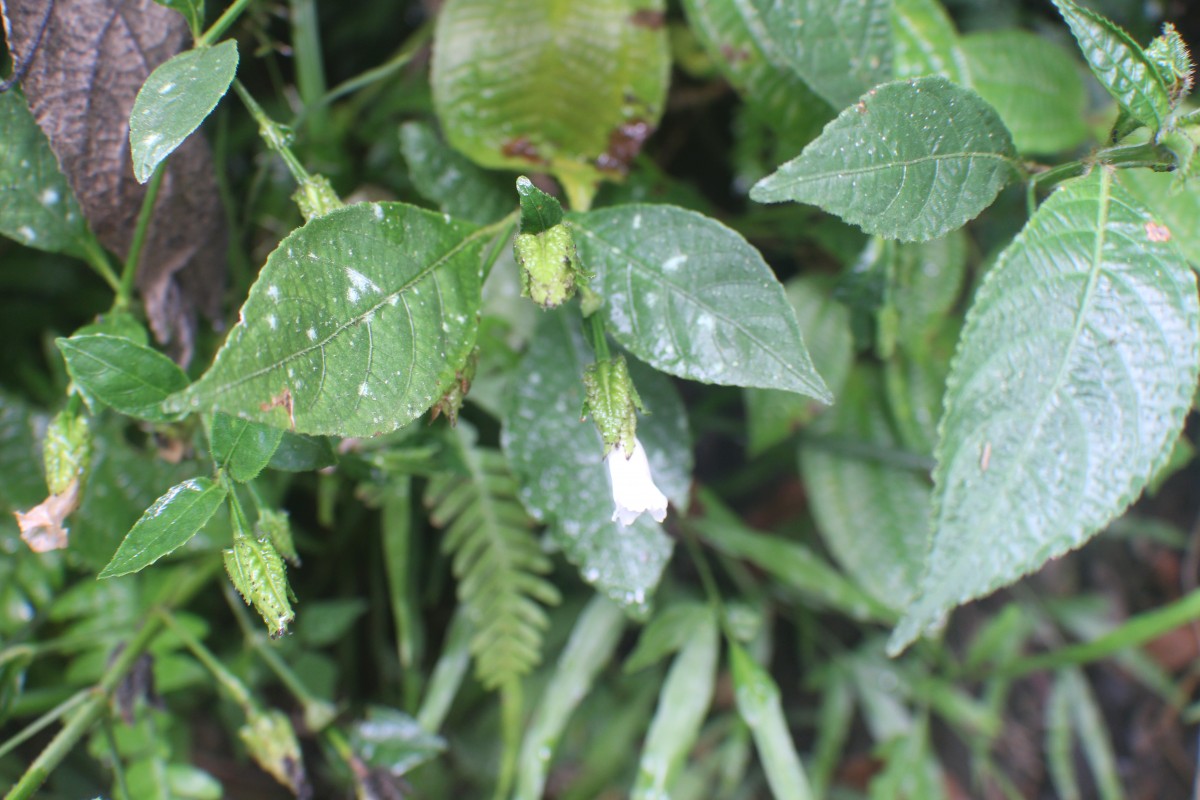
559,461
240,447
571,87
167,525
926,42
1074,372
1120,64
130,377
840,48
692,298
737,39
37,207
174,100
911,160
355,326
1034,85
869,497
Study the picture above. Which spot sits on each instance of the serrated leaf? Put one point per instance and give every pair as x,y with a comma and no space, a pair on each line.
167,525
499,564
458,186
735,36
773,415
241,447
37,207
926,42
355,326
872,513
1176,205
129,377
174,100
693,298
1075,369
1034,85
509,76
1119,64
912,160
559,461
840,48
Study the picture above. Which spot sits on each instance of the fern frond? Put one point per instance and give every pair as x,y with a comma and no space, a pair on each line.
496,560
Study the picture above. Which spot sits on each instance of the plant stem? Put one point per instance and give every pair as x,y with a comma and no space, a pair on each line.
97,259
222,24
1133,633
129,274
404,55
44,720
593,327
273,134
504,233
310,70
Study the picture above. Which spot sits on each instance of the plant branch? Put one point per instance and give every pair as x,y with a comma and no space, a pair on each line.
129,274
222,24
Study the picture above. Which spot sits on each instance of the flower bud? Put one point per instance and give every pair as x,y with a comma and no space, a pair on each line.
271,741
275,526
257,572
549,264
613,402
66,451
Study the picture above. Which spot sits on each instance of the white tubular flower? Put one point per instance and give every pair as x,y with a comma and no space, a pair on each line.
633,487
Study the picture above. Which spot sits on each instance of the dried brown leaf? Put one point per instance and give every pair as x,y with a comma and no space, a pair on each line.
82,73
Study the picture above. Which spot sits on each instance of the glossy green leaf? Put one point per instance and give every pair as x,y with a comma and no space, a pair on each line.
841,48
1176,204
192,11
693,298
682,706
175,99
356,325
735,36
773,415
1075,369
37,207
392,740
760,707
792,564
174,518
591,646
926,42
129,377
511,77
241,447
559,461
299,453
912,160
1119,64
539,211
873,513
459,187
1034,85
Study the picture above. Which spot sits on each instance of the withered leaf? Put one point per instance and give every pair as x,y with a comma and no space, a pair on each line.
81,79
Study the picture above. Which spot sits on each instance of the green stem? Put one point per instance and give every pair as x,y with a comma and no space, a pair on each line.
223,22
504,231
51,716
310,69
511,712
397,62
97,259
1133,633
273,134
593,327
129,274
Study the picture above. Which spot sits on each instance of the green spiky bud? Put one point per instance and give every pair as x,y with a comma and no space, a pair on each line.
613,402
550,267
1169,54
256,570
66,452
275,526
316,198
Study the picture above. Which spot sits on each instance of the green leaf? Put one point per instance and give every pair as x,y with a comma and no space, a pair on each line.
559,461
299,453
175,99
735,36
499,564
760,707
912,160
129,377
1034,85
792,564
539,211
174,518
693,298
392,740
1075,369
682,705
1119,64
926,42
925,281
841,49
355,326
591,646
444,176
873,513
37,207
192,11
1176,204
670,630
510,78
773,415
242,448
